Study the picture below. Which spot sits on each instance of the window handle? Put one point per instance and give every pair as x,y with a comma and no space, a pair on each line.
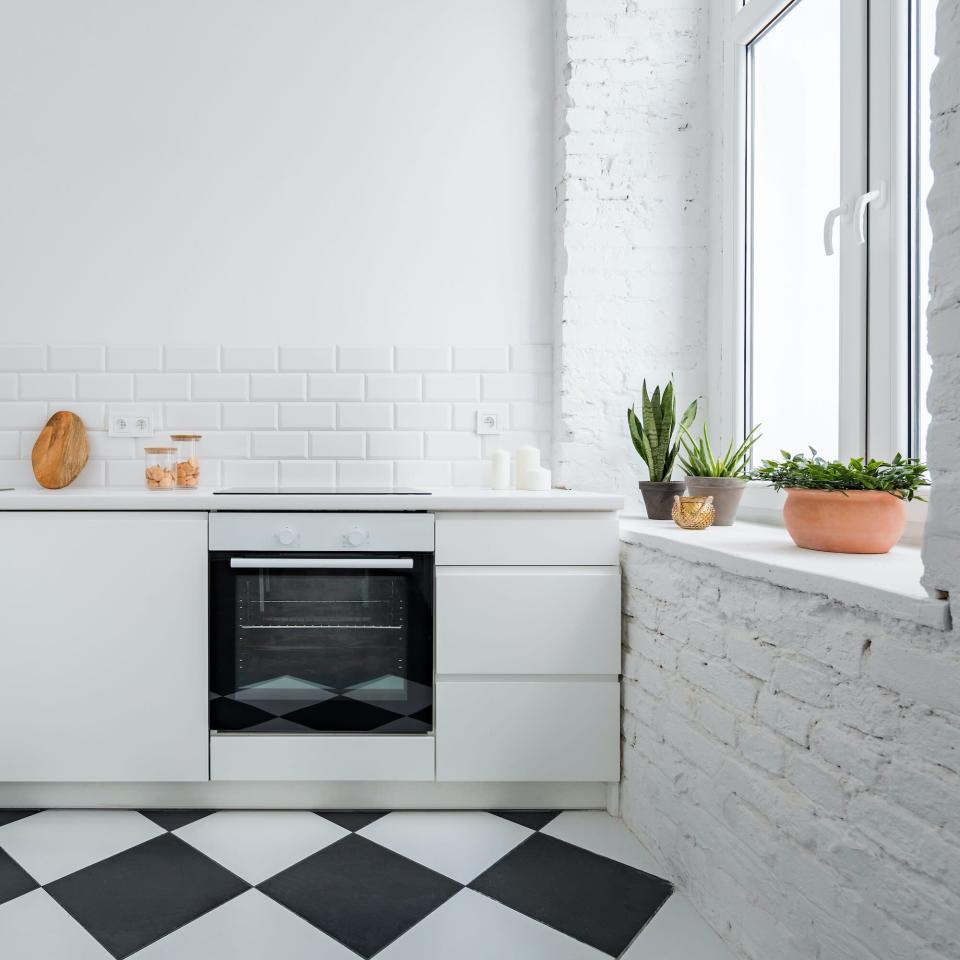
832,217
878,196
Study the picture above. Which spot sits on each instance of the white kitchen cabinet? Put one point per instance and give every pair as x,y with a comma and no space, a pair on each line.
516,730
103,646
546,538
528,620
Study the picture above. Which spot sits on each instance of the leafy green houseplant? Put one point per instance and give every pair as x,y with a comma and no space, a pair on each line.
722,476
653,435
853,507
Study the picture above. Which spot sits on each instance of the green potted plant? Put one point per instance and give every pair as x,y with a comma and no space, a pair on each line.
724,478
853,507
652,434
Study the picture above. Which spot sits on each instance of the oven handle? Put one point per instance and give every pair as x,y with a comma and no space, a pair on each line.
326,563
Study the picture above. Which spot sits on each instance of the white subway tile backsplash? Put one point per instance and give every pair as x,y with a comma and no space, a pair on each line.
73,358
21,356
452,446
393,386
481,359
47,386
365,473
191,357
394,445
127,473
223,445
537,358
471,473
22,416
248,473
8,386
278,386
9,445
365,359
248,358
17,473
423,359
308,416
135,359
276,445
429,474
510,386
191,416
451,386
94,474
423,416
104,386
162,386
105,447
308,473
93,415
309,359
249,416
337,445
219,386
365,416
336,386
531,416
465,415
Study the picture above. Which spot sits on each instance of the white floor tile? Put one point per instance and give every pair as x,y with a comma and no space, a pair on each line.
599,832
256,844
34,927
51,844
678,932
249,927
458,845
470,926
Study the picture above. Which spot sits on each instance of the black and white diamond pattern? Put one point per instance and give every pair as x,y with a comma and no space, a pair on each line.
297,885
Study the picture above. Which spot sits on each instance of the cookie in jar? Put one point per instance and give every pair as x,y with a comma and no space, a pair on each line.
161,467
188,461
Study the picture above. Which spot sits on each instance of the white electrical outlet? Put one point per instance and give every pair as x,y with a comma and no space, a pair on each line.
488,421
135,422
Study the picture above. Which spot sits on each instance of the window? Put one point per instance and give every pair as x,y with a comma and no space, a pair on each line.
826,239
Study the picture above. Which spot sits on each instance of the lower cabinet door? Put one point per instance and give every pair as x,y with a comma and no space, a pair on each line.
519,730
103,646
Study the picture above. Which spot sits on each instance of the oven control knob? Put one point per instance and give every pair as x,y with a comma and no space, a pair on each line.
357,537
287,535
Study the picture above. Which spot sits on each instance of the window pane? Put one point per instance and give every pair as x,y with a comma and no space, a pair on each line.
794,288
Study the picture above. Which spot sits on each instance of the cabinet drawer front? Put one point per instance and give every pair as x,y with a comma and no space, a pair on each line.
528,730
534,620
543,538
262,757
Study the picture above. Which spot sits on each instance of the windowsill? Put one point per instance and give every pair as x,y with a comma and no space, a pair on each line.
888,585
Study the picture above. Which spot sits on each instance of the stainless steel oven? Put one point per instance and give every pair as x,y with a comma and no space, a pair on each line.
321,622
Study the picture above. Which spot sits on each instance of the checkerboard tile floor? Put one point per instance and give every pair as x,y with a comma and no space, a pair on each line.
298,885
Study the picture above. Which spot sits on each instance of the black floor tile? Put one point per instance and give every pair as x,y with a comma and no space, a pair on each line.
534,819
595,900
174,819
360,893
14,880
8,816
352,820
136,897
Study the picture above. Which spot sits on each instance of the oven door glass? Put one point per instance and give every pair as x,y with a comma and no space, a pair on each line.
301,650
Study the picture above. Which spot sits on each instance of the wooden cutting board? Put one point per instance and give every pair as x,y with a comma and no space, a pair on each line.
61,451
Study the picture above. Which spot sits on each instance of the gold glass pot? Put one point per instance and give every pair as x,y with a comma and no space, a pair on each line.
693,513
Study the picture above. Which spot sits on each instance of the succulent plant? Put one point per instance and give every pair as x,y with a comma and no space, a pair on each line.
653,431
699,459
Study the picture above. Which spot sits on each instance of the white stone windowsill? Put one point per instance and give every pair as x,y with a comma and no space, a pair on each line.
888,584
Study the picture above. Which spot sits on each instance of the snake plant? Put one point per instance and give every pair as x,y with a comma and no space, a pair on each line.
652,432
700,461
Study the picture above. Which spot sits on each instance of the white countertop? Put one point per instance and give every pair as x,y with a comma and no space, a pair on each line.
138,498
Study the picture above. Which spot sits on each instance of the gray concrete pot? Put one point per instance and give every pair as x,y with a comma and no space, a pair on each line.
658,497
726,492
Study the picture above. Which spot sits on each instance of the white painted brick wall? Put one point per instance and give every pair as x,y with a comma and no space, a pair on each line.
795,763
293,415
941,552
631,188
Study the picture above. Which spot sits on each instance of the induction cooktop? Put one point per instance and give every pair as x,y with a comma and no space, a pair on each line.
323,491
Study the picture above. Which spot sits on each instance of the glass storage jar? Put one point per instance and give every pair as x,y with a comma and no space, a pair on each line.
188,463
161,467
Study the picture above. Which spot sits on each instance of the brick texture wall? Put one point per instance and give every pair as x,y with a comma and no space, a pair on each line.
942,542
632,165
795,762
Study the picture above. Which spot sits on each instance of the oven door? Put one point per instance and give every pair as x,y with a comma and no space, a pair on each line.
310,643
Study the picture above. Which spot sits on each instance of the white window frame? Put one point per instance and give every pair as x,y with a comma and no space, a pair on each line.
874,396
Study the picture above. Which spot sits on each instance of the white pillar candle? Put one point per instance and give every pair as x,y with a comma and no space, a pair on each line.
538,479
528,458
500,470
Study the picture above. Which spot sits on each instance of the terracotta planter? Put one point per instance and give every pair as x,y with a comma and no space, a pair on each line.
858,521
658,497
727,492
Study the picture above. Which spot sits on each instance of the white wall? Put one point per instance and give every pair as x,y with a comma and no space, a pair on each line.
276,171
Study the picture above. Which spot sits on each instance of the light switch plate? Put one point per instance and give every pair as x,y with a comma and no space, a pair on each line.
138,422
489,421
